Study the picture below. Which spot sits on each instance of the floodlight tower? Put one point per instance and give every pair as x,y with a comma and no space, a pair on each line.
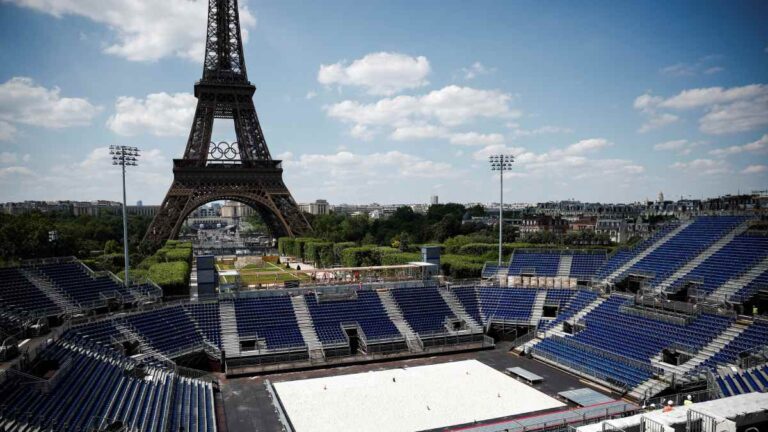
125,156
501,163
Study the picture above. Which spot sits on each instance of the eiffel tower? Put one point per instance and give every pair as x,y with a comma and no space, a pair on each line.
242,171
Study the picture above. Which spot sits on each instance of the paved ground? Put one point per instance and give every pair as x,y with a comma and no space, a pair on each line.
249,408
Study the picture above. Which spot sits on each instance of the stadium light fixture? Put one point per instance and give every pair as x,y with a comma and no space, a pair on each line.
501,163
125,156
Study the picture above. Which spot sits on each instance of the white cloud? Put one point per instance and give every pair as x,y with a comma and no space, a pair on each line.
148,181
755,169
344,176
418,131
758,146
346,166
11,158
450,106
22,101
681,146
475,70
381,73
518,132
311,95
703,97
160,114
476,139
703,65
679,69
496,149
739,116
16,171
713,70
571,161
727,110
145,30
362,132
7,131
587,145
703,166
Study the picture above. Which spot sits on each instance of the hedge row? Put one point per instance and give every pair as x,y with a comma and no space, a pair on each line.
461,266
320,253
169,267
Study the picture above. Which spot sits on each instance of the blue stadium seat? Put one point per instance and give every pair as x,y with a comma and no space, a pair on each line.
270,318
365,310
424,309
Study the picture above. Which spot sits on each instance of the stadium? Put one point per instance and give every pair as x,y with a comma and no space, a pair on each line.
666,333
662,321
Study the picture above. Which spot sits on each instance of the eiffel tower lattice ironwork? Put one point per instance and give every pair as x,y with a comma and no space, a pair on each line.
242,171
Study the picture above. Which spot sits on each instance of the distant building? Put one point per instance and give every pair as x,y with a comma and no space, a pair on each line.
234,209
142,210
543,223
433,200
319,207
584,224
96,208
621,230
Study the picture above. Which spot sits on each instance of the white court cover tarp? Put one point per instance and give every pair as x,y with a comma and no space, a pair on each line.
408,399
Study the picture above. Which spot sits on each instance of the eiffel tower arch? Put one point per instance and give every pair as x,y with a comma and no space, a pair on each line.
242,171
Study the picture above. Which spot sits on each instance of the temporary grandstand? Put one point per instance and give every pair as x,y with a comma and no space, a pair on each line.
667,316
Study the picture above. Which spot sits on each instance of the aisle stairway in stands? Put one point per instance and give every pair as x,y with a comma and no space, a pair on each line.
230,339
307,328
648,389
564,268
538,307
666,284
147,350
396,316
708,351
750,380
557,330
42,283
613,277
458,310
735,286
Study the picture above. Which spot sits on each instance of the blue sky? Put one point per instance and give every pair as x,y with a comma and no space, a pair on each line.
394,101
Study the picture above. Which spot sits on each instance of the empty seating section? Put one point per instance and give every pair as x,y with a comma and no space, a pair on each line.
18,293
468,298
270,318
585,265
192,406
507,304
620,342
101,332
423,308
98,387
206,315
736,257
747,381
685,246
755,336
541,263
623,256
569,301
366,310
493,270
73,279
641,338
169,330
758,283
601,367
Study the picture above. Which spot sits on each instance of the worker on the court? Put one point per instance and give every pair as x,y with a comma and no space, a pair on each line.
669,407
